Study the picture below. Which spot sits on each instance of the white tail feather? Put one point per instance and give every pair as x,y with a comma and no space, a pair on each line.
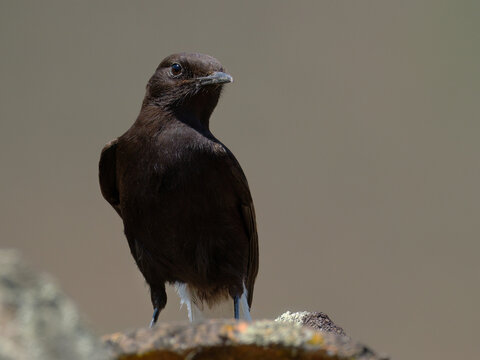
197,312
185,298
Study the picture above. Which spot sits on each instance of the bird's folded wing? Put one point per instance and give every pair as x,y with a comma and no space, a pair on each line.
248,214
107,172
249,217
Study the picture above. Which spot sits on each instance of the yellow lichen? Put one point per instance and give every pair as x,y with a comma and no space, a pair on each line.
316,339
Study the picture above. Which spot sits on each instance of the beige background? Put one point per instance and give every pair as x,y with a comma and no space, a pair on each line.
356,122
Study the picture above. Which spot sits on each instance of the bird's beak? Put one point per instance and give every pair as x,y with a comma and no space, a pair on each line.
214,78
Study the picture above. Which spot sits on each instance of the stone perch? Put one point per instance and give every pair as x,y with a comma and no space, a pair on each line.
38,322
229,339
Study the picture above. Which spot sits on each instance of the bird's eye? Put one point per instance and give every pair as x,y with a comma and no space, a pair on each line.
176,69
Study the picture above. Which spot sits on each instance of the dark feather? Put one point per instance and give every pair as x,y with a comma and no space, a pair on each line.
108,175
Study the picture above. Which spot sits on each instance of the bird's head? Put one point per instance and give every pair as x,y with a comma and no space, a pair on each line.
188,85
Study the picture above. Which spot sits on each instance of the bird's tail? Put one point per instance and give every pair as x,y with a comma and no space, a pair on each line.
198,311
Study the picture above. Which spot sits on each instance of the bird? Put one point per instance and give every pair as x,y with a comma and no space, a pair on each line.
184,200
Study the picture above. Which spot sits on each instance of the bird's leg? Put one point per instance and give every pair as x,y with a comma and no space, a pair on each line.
159,300
236,310
156,312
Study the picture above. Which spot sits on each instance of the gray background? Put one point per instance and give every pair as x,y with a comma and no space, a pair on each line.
356,122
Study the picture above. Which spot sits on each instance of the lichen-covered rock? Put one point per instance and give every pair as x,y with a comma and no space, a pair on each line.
315,320
230,339
37,321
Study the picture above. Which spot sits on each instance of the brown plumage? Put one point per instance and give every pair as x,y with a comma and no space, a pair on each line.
184,200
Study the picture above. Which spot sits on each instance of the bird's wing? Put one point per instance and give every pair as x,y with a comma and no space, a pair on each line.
248,214
107,173
252,270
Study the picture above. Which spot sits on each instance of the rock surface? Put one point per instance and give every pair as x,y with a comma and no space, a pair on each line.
229,339
315,320
37,321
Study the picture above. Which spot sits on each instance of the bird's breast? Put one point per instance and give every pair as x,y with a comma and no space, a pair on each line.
179,202
181,171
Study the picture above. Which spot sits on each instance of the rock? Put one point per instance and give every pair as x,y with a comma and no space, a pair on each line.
38,322
316,320
230,339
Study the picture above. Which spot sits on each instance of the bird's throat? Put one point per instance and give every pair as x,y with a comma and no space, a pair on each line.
196,112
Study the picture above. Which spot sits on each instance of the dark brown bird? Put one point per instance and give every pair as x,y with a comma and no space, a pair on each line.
184,200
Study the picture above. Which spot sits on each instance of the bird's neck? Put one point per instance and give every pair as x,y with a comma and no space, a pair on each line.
154,116
193,119
196,112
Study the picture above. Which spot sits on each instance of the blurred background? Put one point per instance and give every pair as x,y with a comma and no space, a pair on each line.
356,123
